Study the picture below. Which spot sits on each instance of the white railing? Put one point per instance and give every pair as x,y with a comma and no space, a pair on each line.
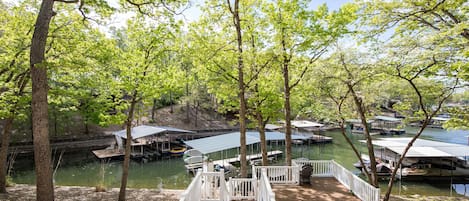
280,174
360,188
193,192
207,186
265,192
321,168
242,188
212,185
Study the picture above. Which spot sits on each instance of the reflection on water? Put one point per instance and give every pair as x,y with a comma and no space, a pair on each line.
173,175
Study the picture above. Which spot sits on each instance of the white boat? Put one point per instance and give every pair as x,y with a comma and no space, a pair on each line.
191,152
195,159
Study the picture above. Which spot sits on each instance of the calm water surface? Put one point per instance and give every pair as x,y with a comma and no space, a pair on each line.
172,174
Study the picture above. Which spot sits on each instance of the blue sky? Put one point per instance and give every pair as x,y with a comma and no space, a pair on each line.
331,4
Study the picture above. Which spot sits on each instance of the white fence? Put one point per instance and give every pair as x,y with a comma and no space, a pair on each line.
360,188
212,185
193,192
321,168
279,174
265,192
207,186
242,188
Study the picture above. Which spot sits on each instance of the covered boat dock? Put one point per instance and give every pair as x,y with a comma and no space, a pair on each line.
225,142
148,142
435,159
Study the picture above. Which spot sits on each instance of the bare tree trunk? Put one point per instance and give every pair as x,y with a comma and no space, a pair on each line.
87,128
261,125
171,102
369,144
394,171
241,87
153,111
287,110
242,99
342,130
128,143
188,107
39,105
4,152
196,111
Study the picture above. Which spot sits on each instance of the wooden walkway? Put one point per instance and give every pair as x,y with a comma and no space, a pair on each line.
107,153
228,161
321,189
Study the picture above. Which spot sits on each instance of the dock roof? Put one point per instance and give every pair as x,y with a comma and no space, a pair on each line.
272,127
386,118
219,143
423,148
144,130
305,124
231,140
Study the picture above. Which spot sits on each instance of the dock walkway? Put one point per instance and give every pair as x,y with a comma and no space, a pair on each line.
226,162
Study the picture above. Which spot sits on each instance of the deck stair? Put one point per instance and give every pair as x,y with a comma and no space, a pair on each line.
212,185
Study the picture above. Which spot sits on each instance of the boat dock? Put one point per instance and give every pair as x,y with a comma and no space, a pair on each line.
320,139
227,163
108,153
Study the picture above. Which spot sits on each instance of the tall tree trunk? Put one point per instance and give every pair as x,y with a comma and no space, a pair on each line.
196,111
369,144
287,111
128,143
409,145
153,111
171,106
4,152
242,99
87,128
261,125
188,107
39,106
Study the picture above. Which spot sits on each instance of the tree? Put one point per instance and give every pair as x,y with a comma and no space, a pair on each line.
346,79
417,67
142,73
224,64
14,75
300,37
42,158
422,34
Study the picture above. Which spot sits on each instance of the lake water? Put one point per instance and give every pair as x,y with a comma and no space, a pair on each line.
85,170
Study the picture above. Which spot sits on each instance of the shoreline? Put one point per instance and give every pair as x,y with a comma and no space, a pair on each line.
24,192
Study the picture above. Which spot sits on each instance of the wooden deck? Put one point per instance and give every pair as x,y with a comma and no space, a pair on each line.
322,188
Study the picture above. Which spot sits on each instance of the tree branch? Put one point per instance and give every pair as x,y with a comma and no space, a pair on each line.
65,1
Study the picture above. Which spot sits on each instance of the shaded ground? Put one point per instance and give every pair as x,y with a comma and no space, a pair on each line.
73,193
327,189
